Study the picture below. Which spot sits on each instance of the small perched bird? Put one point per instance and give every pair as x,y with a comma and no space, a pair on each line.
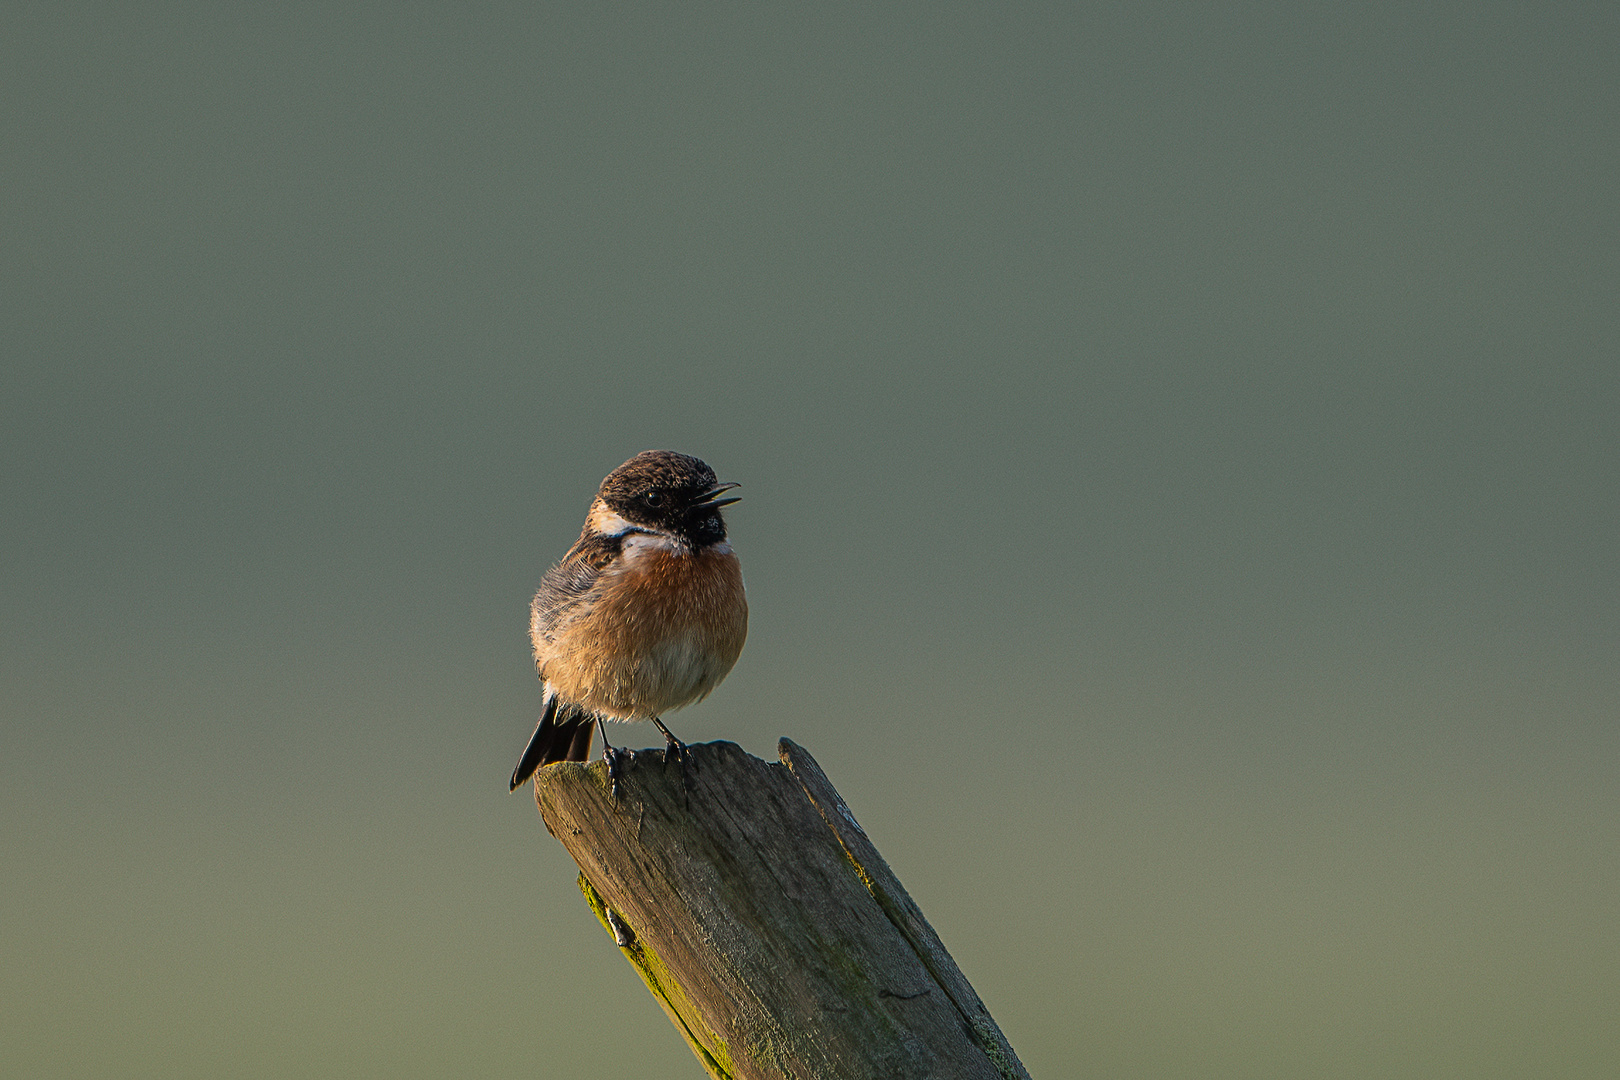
646,613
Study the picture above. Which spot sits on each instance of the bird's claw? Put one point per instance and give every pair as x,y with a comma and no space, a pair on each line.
674,749
615,757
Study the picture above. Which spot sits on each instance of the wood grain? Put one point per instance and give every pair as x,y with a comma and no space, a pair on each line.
765,922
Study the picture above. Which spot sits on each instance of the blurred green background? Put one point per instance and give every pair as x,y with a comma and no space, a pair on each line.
1182,503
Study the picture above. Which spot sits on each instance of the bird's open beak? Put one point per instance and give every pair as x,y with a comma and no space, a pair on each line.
709,500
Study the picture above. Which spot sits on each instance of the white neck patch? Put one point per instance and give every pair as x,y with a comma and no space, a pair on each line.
607,522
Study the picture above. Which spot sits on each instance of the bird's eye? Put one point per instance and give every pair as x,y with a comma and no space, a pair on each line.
653,498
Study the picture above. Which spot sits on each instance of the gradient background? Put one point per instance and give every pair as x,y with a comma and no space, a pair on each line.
1182,513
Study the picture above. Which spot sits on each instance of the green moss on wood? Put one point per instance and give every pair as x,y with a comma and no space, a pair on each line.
987,1038
710,1048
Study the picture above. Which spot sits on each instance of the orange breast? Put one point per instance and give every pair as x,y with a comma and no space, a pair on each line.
665,628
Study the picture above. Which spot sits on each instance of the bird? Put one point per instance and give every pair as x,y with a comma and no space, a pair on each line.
646,613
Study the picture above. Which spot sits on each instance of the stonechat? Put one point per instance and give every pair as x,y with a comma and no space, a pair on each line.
646,613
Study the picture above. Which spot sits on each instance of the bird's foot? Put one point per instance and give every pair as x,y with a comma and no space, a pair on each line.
674,749
616,757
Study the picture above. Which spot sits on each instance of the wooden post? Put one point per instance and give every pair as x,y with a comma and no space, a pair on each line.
761,917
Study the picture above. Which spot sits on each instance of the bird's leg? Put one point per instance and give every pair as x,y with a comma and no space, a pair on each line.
614,756
676,750
673,748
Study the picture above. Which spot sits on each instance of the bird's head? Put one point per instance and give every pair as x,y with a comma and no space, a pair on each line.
662,492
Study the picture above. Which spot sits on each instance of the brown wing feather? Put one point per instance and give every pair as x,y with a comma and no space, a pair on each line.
572,579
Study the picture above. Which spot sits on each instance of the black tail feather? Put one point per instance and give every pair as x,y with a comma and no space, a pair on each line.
563,734
580,748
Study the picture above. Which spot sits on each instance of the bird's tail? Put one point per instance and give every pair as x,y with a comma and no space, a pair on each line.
563,734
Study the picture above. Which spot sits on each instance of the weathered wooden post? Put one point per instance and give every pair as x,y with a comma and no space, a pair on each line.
764,921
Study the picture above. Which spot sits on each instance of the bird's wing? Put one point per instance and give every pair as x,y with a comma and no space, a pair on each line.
567,586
